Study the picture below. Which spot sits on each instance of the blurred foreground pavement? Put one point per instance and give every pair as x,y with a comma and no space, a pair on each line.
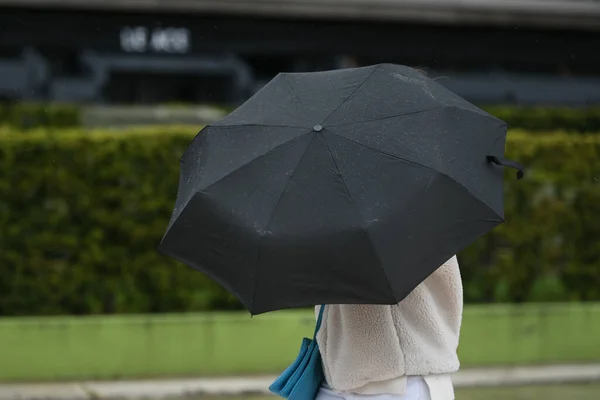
236,386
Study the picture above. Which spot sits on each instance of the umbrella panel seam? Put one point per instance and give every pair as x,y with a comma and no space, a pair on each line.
216,125
360,217
375,69
271,218
297,99
254,159
419,165
385,118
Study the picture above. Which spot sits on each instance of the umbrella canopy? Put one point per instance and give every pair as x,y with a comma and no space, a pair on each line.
338,187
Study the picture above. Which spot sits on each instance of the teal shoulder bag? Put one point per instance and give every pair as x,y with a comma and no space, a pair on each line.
302,379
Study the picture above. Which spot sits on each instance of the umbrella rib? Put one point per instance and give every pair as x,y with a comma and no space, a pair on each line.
360,217
385,153
255,125
419,165
296,97
386,118
353,93
260,246
251,161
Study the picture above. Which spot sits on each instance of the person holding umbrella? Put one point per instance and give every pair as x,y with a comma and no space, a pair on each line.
352,189
405,351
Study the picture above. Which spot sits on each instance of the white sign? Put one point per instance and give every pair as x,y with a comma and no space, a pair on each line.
139,39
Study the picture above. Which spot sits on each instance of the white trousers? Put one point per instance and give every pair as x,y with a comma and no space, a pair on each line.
416,389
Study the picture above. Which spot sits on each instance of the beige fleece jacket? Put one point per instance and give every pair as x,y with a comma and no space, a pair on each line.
365,344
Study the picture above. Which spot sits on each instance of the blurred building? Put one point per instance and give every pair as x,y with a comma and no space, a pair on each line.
221,51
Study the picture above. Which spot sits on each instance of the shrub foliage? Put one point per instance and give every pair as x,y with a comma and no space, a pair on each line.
81,214
27,116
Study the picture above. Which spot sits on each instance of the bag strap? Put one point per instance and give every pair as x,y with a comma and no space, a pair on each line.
319,321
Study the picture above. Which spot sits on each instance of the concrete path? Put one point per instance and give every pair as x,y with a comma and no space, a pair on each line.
158,389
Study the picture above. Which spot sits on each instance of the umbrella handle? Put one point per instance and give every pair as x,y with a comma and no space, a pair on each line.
508,163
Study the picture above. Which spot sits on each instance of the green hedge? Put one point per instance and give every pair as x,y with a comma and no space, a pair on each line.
549,249
81,214
33,115
535,119
541,119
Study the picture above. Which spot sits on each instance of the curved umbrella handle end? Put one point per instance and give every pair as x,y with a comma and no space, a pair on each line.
508,163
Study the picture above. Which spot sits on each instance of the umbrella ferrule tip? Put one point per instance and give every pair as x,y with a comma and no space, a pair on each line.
317,128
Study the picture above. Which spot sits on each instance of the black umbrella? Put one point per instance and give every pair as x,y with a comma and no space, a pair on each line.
338,187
